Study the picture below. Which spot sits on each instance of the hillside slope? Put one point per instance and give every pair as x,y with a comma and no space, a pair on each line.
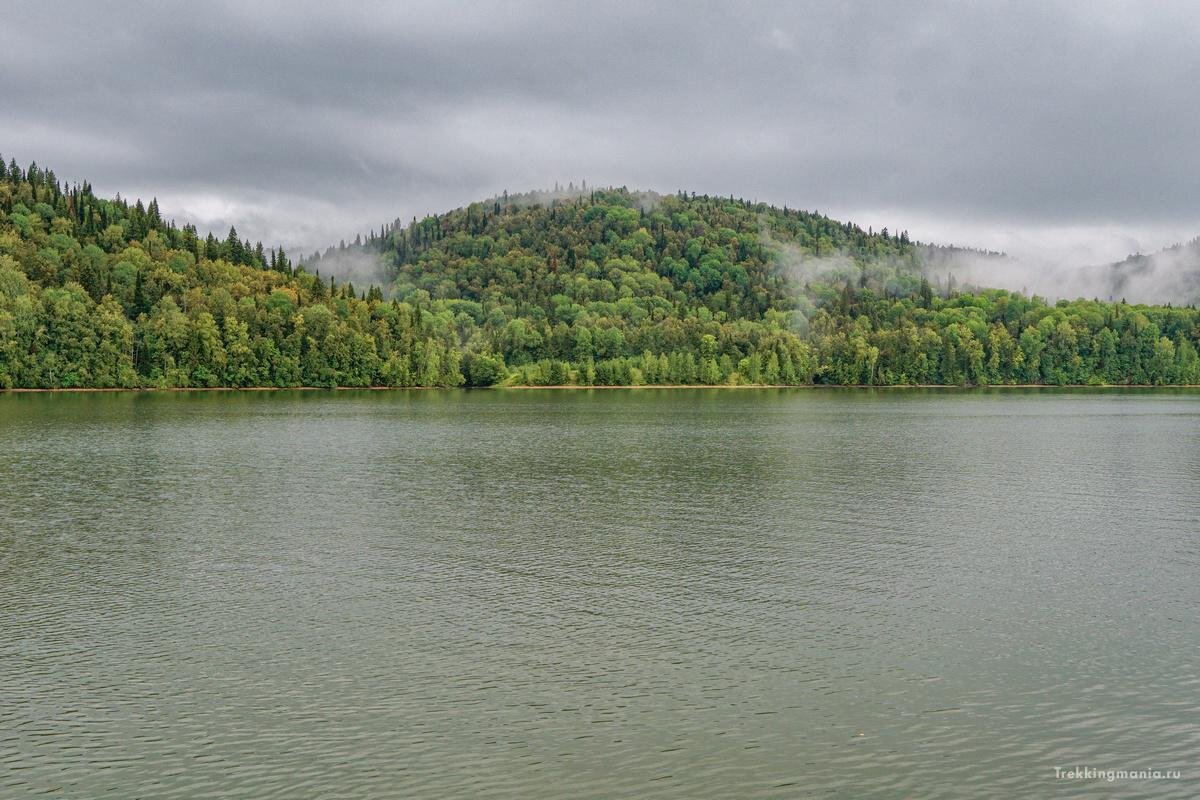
608,287
1171,272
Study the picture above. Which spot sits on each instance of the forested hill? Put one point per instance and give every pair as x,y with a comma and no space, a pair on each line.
1171,272
604,287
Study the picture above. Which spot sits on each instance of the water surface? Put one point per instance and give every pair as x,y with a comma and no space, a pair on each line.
660,594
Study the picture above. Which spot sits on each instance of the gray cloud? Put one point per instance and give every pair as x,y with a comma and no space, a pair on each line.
1010,126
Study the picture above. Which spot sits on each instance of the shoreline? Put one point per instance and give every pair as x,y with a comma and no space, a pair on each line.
576,387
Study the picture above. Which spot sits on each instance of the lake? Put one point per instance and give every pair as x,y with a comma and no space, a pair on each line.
594,594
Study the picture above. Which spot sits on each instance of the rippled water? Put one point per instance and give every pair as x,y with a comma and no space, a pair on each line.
679,594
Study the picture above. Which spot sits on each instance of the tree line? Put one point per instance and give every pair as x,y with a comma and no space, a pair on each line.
600,287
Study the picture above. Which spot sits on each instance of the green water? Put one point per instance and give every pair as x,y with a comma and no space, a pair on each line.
660,594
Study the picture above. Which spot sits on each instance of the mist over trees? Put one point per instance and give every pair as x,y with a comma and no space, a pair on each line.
578,286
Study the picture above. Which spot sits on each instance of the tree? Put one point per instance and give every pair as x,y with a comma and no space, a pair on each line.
710,373
482,369
233,247
1162,362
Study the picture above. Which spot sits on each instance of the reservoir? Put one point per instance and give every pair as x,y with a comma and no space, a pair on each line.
597,594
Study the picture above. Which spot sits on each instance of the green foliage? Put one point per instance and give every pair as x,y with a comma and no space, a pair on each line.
604,288
482,369
998,337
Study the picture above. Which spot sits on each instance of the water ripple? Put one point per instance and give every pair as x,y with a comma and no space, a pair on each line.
648,594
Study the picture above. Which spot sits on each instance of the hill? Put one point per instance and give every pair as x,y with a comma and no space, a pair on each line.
606,287
1171,272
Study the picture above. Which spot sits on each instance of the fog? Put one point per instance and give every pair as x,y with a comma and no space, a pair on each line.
360,266
1171,275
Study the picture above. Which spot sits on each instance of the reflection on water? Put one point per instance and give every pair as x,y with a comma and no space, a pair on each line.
598,594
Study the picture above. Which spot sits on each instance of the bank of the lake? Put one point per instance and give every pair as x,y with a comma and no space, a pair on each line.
77,390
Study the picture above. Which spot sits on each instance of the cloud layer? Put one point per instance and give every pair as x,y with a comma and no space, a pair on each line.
1010,126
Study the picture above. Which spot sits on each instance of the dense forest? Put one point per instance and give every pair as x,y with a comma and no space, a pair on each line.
600,287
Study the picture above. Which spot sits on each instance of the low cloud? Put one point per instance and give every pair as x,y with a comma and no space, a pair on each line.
1169,276
360,266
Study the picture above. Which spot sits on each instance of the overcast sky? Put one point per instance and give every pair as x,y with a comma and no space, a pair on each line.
1061,127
